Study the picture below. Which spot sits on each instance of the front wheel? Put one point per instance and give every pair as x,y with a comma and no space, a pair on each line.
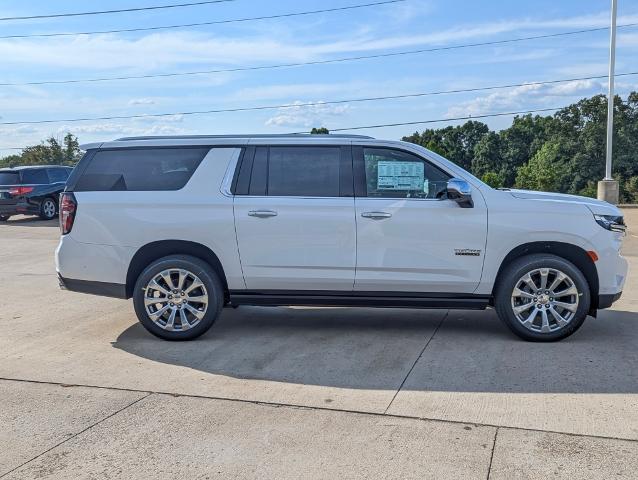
542,298
178,297
4,218
48,209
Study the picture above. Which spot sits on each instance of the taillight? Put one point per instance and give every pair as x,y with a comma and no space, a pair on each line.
19,191
68,207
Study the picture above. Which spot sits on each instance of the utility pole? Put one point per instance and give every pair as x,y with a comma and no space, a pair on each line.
608,188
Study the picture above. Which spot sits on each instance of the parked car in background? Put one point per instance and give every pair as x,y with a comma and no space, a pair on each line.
31,190
188,225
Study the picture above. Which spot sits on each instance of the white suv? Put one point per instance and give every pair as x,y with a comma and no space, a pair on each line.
188,225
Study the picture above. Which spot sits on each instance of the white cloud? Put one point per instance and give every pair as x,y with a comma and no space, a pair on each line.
170,49
306,116
18,130
525,97
109,128
177,118
142,101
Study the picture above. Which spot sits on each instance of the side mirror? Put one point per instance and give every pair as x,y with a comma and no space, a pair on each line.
461,192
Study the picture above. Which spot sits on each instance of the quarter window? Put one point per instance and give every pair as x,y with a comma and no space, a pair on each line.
58,175
141,169
398,174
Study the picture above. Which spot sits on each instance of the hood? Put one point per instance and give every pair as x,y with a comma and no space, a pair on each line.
596,206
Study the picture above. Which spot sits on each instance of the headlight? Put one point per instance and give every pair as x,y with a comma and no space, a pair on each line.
614,223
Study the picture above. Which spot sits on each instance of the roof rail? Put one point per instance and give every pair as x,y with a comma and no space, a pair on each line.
279,135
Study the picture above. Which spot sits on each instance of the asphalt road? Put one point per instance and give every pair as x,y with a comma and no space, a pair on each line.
304,393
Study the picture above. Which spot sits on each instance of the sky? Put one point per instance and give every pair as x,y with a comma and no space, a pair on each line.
372,30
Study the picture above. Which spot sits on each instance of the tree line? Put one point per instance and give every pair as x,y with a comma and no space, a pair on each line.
50,152
564,152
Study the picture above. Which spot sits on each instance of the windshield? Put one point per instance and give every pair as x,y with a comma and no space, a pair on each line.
9,178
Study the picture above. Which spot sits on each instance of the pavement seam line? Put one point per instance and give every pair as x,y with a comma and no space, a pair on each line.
322,409
489,468
148,394
385,412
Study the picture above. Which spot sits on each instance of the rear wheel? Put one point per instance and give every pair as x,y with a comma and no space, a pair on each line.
178,297
48,209
4,218
542,298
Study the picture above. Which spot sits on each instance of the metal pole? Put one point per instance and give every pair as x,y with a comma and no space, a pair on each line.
610,101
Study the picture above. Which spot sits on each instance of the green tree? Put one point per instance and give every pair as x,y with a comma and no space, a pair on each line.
577,134
456,143
493,179
541,172
520,142
487,157
629,190
320,131
49,152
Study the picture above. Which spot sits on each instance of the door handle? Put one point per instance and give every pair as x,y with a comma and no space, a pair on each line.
376,215
262,213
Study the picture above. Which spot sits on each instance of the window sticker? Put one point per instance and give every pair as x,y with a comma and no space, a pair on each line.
401,176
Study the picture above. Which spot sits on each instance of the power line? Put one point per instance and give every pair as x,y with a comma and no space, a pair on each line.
311,104
200,24
316,62
123,10
437,120
417,122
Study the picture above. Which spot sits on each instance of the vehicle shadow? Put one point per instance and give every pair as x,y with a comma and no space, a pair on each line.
375,348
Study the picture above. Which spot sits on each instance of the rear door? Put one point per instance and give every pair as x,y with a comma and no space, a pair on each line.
410,238
294,218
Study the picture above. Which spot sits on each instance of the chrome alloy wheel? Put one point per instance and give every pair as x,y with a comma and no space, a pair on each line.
175,300
545,300
49,208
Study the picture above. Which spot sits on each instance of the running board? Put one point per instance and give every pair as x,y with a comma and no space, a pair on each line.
360,299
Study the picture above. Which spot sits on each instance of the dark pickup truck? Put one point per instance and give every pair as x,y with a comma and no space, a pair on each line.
32,190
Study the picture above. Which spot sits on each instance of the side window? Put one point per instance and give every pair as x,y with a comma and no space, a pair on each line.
35,177
297,172
58,175
145,169
397,174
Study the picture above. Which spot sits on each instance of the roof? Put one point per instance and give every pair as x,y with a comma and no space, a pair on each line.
217,137
225,140
25,167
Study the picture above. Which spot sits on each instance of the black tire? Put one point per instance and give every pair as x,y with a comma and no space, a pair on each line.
510,278
213,288
4,218
48,209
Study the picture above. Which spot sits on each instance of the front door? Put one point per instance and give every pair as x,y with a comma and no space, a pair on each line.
410,238
295,221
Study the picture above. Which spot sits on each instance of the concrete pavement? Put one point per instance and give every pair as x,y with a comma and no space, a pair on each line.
313,393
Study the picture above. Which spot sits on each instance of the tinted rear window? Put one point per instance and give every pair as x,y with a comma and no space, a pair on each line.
303,171
140,169
9,178
58,175
37,177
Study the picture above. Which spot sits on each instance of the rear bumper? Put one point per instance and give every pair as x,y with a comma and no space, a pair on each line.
20,209
114,290
606,301
8,210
